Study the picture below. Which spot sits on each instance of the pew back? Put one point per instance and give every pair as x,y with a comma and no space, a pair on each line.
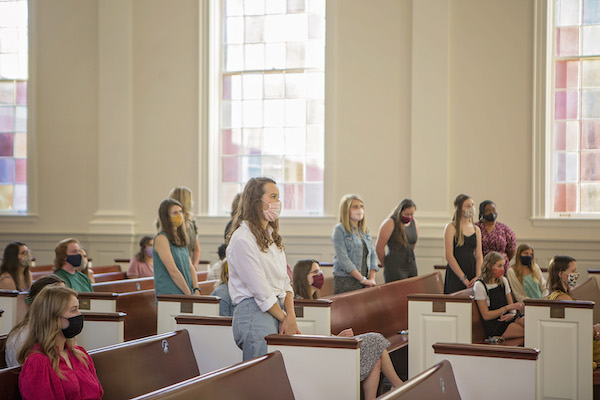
124,285
13,305
110,276
134,368
9,383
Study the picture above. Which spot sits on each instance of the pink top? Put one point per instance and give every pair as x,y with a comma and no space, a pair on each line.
38,380
139,269
502,239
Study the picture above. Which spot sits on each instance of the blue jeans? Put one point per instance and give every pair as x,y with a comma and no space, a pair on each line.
250,326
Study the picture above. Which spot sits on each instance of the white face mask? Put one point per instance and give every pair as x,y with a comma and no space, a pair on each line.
357,215
468,213
272,213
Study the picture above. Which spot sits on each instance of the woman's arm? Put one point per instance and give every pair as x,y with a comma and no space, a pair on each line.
478,255
196,255
511,243
162,248
385,231
194,280
449,253
8,283
417,228
289,325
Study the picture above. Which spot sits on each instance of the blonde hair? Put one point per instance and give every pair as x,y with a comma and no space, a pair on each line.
184,196
45,325
487,273
60,252
456,218
345,204
250,210
518,266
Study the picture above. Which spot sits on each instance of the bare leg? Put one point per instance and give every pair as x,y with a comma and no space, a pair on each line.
371,382
521,321
388,370
514,330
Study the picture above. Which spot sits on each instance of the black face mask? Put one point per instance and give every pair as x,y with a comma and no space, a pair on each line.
75,326
74,259
526,260
491,217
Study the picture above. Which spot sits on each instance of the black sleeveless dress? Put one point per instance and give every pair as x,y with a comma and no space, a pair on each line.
399,262
465,256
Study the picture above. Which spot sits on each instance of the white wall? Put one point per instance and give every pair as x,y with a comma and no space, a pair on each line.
380,140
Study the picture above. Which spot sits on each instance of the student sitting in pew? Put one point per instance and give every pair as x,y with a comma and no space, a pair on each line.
374,358
85,266
142,265
173,269
53,366
494,300
562,277
18,334
214,272
15,271
66,261
258,281
222,291
525,276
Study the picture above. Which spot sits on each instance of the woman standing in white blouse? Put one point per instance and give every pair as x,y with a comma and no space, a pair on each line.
259,284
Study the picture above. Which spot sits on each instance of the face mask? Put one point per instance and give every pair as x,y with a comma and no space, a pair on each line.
498,272
148,251
75,326
318,281
526,260
357,215
572,279
74,259
468,213
26,261
272,213
405,220
491,217
176,220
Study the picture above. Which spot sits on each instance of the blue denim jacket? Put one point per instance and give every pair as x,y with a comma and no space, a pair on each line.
349,250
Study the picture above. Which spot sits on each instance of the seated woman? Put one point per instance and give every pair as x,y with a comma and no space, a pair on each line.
374,358
53,366
492,294
15,271
525,276
67,258
142,265
214,272
84,268
225,305
19,332
562,277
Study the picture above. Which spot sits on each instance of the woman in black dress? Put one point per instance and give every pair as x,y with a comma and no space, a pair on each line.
462,247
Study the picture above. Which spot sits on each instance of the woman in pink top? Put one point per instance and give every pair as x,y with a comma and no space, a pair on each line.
495,236
141,264
53,366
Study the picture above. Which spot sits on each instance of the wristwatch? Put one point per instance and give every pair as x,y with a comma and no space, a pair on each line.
198,289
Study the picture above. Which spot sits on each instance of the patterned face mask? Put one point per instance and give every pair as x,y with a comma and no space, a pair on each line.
572,279
469,212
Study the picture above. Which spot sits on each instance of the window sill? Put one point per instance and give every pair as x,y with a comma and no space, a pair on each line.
8,218
572,222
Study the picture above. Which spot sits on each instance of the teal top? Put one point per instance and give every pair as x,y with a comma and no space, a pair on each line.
163,283
532,288
77,281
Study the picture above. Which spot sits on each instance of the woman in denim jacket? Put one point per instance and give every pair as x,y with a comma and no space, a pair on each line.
355,260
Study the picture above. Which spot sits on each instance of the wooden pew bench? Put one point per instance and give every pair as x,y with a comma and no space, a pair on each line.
264,377
124,285
139,307
3,351
101,329
141,366
102,269
171,306
110,276
13,304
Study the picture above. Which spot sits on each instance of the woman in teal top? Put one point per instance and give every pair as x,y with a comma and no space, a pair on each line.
525,276
173,270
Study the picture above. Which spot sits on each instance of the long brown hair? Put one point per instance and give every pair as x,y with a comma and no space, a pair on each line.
557,265
456,218
399,228
11,265
487,273
250,210
44,326
518,266
177,237
300,279
184,196
345,204
60,252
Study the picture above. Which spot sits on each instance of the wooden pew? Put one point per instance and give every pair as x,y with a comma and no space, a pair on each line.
264,377
206,287
101,329
110,276
13,304
102,269
562,330
38,268
170,306
124,285
134,368
514,365
308,357
3,351
9,383
139,307
437,382
201,275
589,290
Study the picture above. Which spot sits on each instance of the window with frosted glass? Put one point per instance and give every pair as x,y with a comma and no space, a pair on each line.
272,100
576,107
13,106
